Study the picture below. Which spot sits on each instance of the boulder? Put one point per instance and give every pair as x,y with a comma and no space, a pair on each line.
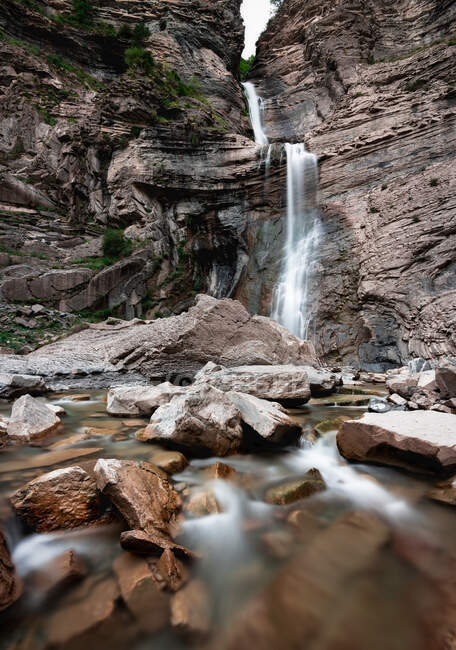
173,571
203,419
446,381
58,574
222,331
31,420
419,440
403,385
151,543
10,585
148,604
143,495
140,399
268,419
64,498
288,385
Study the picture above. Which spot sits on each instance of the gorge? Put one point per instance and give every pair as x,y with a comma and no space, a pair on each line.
227,326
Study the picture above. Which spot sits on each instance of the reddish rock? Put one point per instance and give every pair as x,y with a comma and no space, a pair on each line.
190,610
171,462
173,571
420,440
219,470
145,498
64,498
10,585
141,593
60,573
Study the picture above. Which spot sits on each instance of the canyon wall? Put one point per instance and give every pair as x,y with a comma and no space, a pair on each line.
371,88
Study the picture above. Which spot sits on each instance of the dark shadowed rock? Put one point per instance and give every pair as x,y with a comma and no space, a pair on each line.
64,498
57,575
421,440
446,381
140,399
202,419
31,420
142,595
10,585
173,571
15,385
268,419
145,498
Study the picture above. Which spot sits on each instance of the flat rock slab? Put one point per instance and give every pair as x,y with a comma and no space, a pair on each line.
423,440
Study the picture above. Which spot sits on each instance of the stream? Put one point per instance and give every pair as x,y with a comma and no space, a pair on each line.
246,548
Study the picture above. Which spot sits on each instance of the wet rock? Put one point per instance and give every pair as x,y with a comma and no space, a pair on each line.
10,585
57,409
333,424
443,492
220,470
173,571
277,543
397,400
268,419
31,420
378,405
446,381
203,419
143,495
90,619
57,575
171,462
190,610
202,502
296,489
288,385
150,543
15,385
420,440
142,595
48,459
64,498
140,399
80,397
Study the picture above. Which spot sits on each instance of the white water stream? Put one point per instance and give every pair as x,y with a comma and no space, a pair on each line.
291,296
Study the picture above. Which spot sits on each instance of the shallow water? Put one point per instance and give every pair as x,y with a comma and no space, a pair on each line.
317,580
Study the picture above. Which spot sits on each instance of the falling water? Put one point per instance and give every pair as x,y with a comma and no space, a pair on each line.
256,111
291,297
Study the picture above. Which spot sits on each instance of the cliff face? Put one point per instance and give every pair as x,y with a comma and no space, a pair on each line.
89,140
371,88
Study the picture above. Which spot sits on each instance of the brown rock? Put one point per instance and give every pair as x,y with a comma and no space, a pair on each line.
143,597
171,462
446,381
202,502
10,585
420,440
64,498
277,543
61,572
138,541
190,610
143,495
173,571
31,420
48,459
219,470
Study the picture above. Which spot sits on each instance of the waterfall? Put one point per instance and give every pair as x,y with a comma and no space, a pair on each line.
256,111
291,296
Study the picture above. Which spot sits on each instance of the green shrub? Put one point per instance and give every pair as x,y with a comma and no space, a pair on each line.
82,13
135,131
138,57
125,32
140,35
434,182
245,66
115,244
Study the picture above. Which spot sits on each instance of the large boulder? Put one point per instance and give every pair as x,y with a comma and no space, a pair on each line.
140,399
268,419
12,385
10,585
288,385
31,420
446,381
422,440
203,419
145,498
64,498
222,331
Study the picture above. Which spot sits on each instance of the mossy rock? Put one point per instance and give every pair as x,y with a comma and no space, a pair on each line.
333,424
296,489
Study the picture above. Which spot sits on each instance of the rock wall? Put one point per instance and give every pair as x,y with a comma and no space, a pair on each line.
370,87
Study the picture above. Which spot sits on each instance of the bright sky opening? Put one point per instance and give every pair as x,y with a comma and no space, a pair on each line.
256,14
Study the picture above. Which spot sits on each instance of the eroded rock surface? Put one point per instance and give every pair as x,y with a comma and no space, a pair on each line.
140,399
